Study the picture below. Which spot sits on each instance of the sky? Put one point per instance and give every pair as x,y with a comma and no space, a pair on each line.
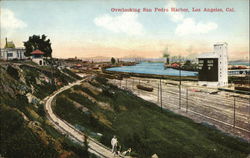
85,28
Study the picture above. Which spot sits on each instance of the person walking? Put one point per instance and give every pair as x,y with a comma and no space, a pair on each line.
114,144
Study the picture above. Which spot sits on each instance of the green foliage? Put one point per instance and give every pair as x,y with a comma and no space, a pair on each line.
66,109
41,111
81,151
40,43
21,101
44,90
187,63
189,66
17,140
143,127
13,72
101,80
72,74
113,60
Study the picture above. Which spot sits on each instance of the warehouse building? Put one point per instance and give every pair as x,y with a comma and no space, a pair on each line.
213,67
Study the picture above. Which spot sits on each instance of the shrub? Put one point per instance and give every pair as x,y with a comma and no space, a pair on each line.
13,72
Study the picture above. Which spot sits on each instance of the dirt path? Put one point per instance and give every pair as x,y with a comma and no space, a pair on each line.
66,128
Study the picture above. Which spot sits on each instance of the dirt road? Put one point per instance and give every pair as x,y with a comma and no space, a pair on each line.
66,128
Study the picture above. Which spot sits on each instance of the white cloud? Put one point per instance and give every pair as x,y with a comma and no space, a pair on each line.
9,21
186,26
174,16
125,23
189,26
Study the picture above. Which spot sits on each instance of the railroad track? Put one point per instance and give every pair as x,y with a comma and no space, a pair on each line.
217,110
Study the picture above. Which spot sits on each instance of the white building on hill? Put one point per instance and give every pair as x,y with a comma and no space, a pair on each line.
10,52
213,67
38,57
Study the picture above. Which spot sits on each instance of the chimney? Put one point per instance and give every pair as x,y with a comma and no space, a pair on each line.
6,41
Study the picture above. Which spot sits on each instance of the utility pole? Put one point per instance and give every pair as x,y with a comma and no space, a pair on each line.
126,83
138,88
52,71
161,94
158,93
179,87
186,99
234,111
133,84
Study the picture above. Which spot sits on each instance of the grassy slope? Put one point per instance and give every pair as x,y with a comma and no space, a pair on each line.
17,137
17,140
141,125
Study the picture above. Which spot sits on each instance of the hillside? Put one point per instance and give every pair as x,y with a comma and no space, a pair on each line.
103,110
25,131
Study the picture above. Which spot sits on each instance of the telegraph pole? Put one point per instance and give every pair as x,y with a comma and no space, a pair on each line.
138,88
161,94
180,87
158,93
234,111
52,71
187,100
133,84
126,83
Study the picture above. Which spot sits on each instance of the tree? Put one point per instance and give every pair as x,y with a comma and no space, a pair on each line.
113,60
189,66
40,43
187,63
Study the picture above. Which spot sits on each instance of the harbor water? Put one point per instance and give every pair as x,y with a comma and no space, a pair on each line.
152,68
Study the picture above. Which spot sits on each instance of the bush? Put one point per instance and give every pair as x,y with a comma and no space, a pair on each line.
17,140
101,80
142,126
41,111
72,74
13,72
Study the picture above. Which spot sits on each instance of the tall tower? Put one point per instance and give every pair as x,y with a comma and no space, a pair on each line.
213,67
221,50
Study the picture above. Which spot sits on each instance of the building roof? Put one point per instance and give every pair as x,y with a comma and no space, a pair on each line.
37,52
9,44
208,55
220,43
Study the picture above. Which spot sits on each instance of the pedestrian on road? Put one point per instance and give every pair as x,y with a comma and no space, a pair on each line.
114,144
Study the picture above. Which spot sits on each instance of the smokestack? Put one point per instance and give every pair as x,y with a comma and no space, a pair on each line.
6,41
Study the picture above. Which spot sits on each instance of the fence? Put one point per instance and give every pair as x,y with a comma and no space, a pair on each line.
227,110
